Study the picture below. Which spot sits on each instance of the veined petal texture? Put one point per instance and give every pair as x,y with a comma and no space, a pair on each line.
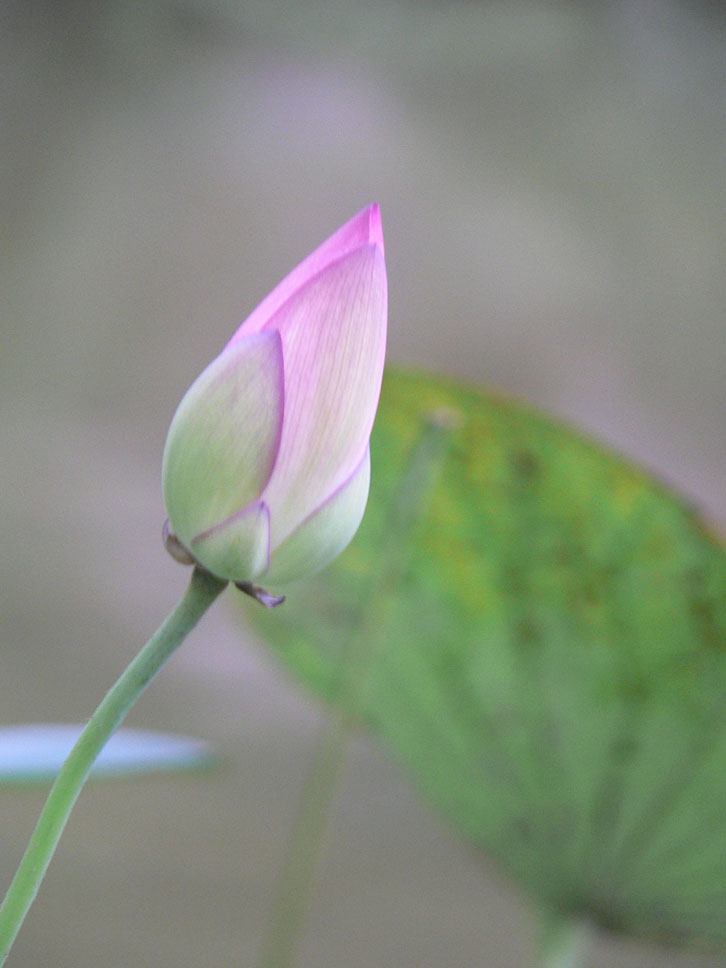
334,338
224,436
326,532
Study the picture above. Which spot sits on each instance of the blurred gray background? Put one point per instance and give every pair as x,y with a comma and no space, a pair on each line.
551,178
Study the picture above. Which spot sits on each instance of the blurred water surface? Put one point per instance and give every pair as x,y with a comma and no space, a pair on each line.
551,178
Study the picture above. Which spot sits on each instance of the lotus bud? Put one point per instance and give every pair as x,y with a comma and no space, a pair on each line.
266,465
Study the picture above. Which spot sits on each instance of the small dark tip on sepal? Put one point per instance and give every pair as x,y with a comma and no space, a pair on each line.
259,594
174,546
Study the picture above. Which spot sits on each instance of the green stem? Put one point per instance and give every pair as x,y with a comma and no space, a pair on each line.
291,898
200,594
321,781
563,941
295,883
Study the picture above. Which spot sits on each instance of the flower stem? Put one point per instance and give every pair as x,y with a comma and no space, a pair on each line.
563,941
295,883
293,890
202,591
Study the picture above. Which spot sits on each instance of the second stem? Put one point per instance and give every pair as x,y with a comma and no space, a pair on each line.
294,886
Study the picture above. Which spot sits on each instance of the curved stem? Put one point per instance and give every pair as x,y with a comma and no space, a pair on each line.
202,591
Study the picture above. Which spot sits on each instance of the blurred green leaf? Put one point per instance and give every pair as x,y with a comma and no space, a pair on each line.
35,752
552,665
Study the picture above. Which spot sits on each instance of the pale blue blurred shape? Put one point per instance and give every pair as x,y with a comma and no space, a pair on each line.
35,752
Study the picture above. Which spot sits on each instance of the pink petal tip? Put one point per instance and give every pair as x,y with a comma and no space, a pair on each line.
375,228
361,230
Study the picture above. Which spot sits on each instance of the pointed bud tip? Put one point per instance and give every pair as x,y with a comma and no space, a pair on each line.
375,228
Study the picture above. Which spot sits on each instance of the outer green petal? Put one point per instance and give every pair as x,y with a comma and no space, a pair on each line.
224,436
239,548
325,533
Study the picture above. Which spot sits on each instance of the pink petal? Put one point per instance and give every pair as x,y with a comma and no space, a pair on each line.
363,229
333,342
326,532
